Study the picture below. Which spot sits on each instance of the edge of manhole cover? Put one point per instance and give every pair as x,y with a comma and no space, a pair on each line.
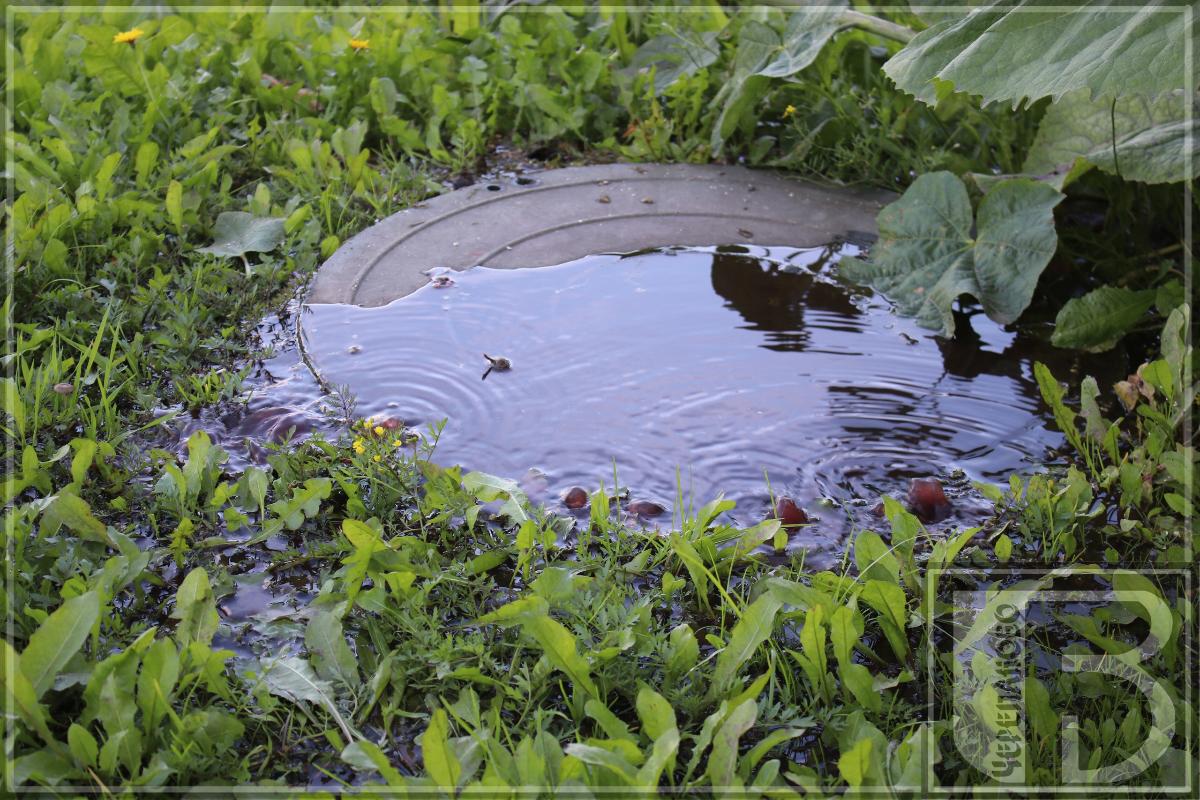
560,215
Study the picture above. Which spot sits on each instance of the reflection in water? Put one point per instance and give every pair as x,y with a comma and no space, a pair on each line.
693,371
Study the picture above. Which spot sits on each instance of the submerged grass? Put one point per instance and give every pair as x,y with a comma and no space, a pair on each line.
443,635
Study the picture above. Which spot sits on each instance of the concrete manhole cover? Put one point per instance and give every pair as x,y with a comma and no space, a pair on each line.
561,215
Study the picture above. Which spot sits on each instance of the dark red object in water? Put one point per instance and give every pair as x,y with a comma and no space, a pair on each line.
575,498
645,508
927,500
790,514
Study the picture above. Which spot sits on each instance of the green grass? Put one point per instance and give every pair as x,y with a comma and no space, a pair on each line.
514,649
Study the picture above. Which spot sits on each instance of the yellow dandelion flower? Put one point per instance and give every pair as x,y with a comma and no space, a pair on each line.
379,458
789,111
360,44
379,430
129,37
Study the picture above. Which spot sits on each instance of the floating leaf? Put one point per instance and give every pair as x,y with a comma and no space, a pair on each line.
1098,320
926,257
1029,52
237,233
1137,138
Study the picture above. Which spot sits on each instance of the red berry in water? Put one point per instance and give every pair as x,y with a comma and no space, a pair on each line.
790,514
927,500
575,498
645,508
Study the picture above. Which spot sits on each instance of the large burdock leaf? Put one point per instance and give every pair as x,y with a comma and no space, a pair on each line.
237,233
1139,139
1100,318
926,257
764,53
1029,51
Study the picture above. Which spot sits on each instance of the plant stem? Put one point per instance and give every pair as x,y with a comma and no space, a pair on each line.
877,25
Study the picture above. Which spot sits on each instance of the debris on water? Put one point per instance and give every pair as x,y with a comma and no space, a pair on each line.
575,498
790,514
645,508
927,499
354,349
603,199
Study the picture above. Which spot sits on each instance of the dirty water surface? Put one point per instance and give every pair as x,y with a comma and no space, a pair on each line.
682,373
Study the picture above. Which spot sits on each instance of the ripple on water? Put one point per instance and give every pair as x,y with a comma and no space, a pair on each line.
728,367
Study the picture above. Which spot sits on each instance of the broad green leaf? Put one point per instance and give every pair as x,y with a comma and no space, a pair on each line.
808,31
683,650
655,712
614,762
73,512
754,628
612,726
1027,51
364,755
561,650
294,679
665,747
19,694
237,233
676,54
854,765
846,627
156,683
1098,320
175,205
489,488
889,601
195,609
926,257
1135,137
1004,548
722,763
331,655
874,558
57,639
83,745
440,761
1042,718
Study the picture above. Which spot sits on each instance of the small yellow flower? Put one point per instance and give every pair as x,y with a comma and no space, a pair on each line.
379,458
379,430
360,44
789,111
399,442
358,448
129,36
366,423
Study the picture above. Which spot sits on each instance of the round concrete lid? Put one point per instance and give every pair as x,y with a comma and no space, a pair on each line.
561,215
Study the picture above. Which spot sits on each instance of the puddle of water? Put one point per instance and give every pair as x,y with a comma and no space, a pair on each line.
285,403
728,367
